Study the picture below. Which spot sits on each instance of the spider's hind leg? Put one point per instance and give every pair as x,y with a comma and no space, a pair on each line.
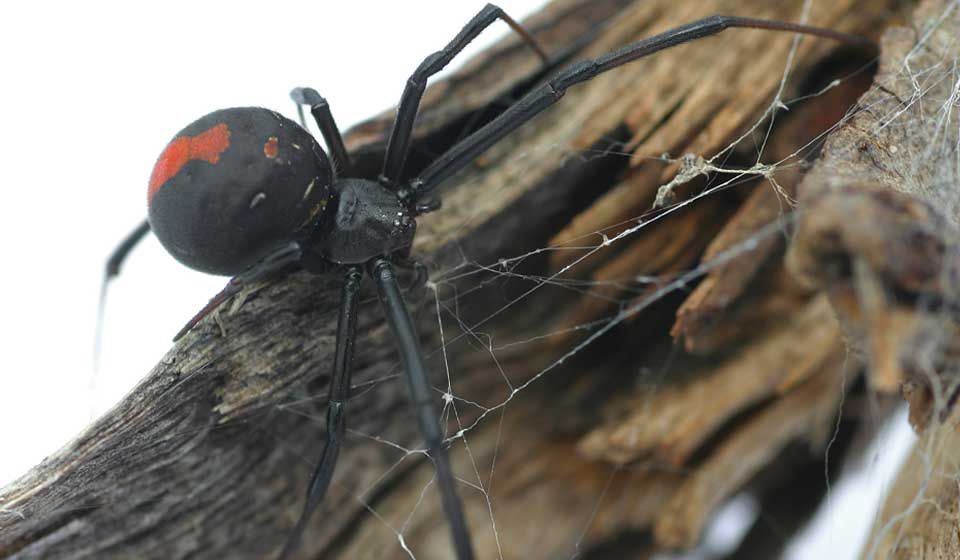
320,110
339,394
273,263
111,271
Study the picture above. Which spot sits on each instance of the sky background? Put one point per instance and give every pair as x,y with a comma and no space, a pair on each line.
92,94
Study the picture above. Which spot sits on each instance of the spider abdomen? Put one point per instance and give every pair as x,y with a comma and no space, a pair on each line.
234,185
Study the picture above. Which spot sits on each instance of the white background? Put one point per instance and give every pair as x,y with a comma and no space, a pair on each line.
92,92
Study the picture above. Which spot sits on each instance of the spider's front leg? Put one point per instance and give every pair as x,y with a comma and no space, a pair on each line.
421,275
398,146
544,96
421,393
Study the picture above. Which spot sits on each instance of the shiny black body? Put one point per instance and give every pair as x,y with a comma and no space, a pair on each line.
254,212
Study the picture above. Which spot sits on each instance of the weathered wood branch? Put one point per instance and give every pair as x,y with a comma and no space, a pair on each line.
879,234
562,450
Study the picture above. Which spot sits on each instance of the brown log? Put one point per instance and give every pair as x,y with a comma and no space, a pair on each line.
209,455
880,215
878,233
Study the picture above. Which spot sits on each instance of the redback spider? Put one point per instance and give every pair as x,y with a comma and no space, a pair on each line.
246,192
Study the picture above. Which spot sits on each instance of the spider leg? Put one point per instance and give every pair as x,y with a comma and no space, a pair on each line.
123,249
112,270
398,146
328,127
336,416
409,345
535,102
421,274
279,259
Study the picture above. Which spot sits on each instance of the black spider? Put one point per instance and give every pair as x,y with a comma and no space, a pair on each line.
246,192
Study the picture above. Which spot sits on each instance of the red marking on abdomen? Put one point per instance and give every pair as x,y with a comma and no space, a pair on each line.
208,145
270,149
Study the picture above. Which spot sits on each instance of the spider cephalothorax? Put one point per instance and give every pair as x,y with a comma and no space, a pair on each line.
366,220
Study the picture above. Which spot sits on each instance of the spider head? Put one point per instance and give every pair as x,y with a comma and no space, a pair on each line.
234,185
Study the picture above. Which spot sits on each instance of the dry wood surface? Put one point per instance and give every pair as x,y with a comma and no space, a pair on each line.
878,234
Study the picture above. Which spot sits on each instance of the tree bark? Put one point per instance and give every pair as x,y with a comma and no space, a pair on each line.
618,371
878,234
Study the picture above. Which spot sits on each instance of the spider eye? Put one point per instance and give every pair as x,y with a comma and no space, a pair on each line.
234,185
